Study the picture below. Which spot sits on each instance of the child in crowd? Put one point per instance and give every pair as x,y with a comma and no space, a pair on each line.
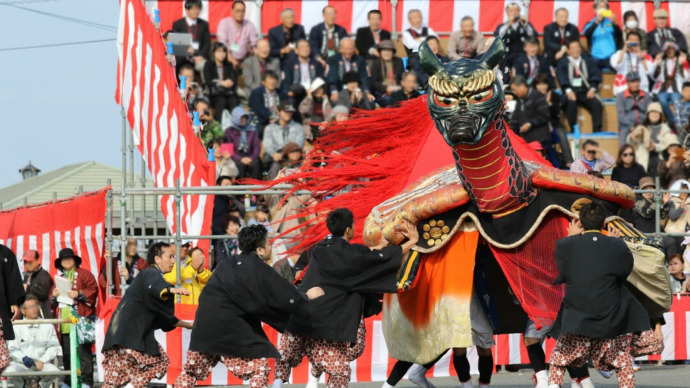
261,217
679,283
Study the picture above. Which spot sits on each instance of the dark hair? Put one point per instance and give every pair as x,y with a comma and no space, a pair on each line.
541,78
300,41
263,208
628,14
635,33
222,178
269,73
199,100
252,237
215,46
621,151
571,41
592,216
685,85
674,256
155,250
227,219
234,3
191,3
186,66
323,11
432,37
409,72
35,299
338,221
374,11
531,40
589,142
193,250
518,80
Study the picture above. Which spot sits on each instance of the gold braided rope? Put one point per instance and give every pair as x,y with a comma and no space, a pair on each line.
479,80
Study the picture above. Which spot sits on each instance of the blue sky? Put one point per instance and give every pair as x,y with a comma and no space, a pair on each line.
57,102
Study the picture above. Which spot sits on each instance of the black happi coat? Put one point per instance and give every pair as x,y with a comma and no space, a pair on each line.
597,303
242,292
347,273
11,289
145,308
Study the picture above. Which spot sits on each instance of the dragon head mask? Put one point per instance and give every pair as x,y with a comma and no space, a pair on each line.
463,95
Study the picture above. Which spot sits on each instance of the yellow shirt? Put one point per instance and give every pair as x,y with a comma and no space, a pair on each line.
191,280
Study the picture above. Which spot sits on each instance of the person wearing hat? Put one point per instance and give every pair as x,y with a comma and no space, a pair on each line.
662,34
670,73
278,134
652,138
344,62
644,213
352,96
38,282
467,42
83,293
386,72
291,158
631,105
314,107
12,297
131,355
339,113
301,69
629,59
604,35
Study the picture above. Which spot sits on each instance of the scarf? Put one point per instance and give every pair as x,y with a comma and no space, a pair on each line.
66,312
589,165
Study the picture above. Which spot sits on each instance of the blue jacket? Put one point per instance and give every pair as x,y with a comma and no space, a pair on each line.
603,39
336,71
276,39
521,67
292,71
317,39
258,106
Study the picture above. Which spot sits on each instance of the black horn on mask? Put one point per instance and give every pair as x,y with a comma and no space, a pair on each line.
428,60
494,54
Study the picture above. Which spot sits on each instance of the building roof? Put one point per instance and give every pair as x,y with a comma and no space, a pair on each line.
65,181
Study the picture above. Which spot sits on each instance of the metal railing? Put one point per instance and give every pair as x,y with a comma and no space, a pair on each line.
72,356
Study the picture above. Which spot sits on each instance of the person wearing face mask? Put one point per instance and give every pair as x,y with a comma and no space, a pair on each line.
632,24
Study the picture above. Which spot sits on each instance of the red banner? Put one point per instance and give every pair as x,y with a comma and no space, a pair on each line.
77,223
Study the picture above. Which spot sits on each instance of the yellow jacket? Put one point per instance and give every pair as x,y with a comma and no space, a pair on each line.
191,280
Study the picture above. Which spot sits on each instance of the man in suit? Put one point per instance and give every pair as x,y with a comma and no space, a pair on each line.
301,69
531,117
256,65
368,38
264,100
283,38
345,62
201,36
557,34
662,34
386,73
529,63
513,33
325,38
580,78
599,314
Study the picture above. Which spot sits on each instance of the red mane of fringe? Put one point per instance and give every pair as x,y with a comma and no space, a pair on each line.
369,157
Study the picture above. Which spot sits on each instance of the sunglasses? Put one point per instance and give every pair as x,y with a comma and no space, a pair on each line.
591,152
627,154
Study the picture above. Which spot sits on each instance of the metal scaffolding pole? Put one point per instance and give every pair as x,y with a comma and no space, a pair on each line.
123,183
109,238
130,212
178,240
394,33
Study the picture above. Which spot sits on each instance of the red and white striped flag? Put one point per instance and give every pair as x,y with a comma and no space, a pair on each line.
147,90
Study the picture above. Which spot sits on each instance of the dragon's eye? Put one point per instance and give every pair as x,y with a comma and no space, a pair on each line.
445,101
481,97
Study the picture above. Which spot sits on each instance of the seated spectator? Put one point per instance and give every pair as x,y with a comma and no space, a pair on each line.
221,204
261,216
344,62
338,113
352,96
673,169
263,101
201,35
194,88
210,128
632,24
627,170
127,268
652,138
681,110
286,267
225,166
435,47
314,107
561,145
301,70
193,275
588,160
531,117
386,72
604,36
237,34
679,283
416,34
557,34
38,282
514,32
529,63
631,59
221,81
408,89
579,78
283,39
34,348
677,221
325,38
291,158
644,214
227,247
670,73
662,34
279,134
84,294
631,105
246,144
369,38
256,65
466,43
